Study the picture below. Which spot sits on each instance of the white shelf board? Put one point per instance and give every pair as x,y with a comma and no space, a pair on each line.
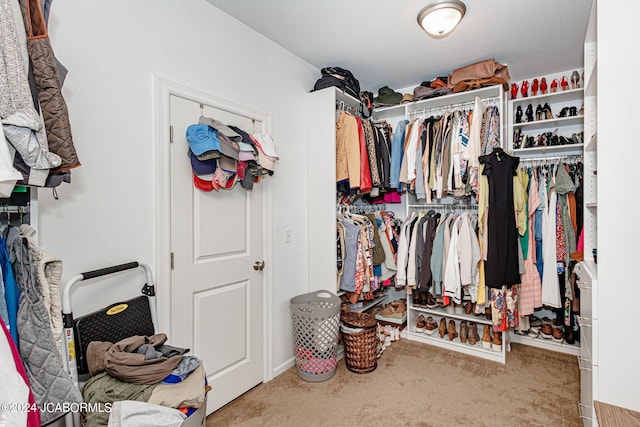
442,313
553,150
547,123
547,344
558,96
473,350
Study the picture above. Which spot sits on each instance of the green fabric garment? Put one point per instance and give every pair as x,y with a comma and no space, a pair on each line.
102,388
378,251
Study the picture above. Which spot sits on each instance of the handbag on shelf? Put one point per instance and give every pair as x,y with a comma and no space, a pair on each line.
480,74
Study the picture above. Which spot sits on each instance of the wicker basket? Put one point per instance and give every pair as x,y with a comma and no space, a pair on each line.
360,348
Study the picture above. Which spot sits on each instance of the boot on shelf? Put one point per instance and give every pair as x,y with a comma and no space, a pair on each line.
486,337
463,331
451,330
496,344
442,330
472,333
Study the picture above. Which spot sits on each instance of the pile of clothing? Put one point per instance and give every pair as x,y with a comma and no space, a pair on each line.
222,155
146,370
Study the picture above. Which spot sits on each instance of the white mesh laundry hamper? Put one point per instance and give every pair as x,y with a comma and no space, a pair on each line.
316,324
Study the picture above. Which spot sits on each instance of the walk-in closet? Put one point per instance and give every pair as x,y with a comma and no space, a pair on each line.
344,215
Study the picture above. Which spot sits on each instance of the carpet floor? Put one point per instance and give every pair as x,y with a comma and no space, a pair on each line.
419,385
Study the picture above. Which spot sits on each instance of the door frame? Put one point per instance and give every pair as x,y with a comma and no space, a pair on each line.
163,88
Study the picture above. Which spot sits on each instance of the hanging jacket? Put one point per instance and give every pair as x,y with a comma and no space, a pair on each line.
12,293
50,383
54,107
47,271
23,125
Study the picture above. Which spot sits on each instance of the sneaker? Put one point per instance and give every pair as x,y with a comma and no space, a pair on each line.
546,330
534,332
535,322
557,332
431,301
421,322
431,326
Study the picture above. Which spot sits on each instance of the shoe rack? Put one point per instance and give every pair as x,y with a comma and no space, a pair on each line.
553,121
439,313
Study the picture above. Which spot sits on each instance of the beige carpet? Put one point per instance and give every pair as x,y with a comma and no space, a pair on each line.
419,385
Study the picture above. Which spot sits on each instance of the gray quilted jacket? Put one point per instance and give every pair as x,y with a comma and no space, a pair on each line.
49,381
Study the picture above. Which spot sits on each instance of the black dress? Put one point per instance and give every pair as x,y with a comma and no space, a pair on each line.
502,265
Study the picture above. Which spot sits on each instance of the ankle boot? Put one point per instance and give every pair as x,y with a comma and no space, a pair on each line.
472,333
451,330
463,332
442,330
496,344
486,337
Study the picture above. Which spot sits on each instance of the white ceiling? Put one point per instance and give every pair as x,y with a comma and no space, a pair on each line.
380,42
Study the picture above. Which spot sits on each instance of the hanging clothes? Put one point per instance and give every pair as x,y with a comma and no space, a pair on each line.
550,284
11,291
48,379
531,287
347,150
23,126
14,387
502,264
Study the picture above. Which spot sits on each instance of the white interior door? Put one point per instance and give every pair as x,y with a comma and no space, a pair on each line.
216,238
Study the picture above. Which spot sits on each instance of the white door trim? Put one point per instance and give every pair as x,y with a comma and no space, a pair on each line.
163,88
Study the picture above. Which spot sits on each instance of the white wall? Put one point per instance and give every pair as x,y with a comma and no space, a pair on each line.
112,48
618,225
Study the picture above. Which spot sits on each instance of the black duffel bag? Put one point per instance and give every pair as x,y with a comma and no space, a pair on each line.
340,78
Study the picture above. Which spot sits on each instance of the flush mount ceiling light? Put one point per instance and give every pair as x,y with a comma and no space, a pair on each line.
441,17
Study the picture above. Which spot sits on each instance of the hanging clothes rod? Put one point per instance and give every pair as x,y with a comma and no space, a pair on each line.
443,206
491,101
13,209
343,106
360,208
540,161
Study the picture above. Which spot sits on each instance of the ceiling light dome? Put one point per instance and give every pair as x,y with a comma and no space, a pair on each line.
440,17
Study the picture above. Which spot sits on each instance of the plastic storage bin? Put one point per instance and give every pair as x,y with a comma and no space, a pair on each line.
316,323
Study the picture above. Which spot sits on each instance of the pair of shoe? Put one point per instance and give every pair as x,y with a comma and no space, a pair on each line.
419,299
529,113
519,114
421,323
469,332
431,326
546,330
534,326
557,331
431,301
494,343
427,325
568,112
469,307
395,309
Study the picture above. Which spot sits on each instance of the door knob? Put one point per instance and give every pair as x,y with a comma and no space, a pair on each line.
258,265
